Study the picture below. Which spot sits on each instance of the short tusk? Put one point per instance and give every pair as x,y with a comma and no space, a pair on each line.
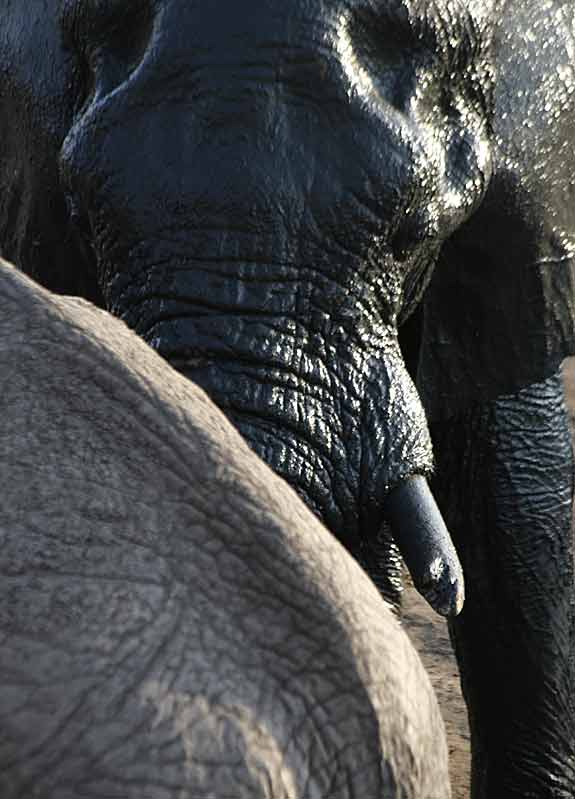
425,544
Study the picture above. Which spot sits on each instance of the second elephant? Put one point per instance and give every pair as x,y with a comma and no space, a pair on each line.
174,621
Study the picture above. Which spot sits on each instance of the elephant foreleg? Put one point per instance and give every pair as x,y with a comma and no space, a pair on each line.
505,483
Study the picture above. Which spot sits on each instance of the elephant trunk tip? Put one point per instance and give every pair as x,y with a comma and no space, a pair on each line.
425,545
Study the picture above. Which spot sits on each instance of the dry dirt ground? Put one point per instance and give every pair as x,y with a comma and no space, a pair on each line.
431,639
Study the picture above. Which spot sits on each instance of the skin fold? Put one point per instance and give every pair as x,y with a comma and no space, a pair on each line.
341,220
174,621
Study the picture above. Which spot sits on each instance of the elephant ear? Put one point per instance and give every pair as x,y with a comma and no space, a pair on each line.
499,311
39,87
498,315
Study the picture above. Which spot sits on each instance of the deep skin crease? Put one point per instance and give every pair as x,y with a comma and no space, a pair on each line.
174,621
262,192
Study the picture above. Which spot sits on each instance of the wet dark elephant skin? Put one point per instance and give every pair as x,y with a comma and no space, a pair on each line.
262,192
499,421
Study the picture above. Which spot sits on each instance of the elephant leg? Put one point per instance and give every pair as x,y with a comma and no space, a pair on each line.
505,484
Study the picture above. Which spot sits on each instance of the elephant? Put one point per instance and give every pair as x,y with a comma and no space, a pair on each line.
352,224
174,621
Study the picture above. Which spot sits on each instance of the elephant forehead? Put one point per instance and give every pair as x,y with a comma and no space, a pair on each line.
441,24
273,25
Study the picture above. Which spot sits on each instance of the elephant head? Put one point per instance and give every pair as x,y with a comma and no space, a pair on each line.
260,190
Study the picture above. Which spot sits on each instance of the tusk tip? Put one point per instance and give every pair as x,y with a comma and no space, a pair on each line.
443,588
426,546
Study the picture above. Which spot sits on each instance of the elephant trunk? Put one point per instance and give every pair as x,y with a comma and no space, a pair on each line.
342,424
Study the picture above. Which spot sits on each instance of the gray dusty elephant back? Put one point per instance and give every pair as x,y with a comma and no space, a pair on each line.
174,621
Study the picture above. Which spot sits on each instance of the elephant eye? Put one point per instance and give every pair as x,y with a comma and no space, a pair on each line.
109,38
126,31
386,49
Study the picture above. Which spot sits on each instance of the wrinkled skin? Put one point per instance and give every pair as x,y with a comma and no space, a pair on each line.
174,621
262,192
488,373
